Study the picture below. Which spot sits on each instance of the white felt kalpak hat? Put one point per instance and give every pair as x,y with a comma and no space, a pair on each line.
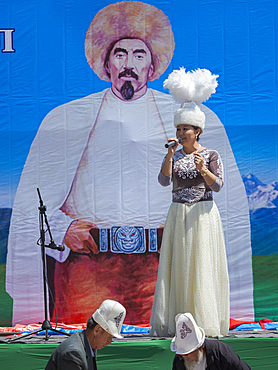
189,336
191,89
110,316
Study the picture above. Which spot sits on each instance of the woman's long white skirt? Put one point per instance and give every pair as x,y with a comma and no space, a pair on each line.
192,274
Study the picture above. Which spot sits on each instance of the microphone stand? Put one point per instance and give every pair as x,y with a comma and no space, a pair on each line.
46,323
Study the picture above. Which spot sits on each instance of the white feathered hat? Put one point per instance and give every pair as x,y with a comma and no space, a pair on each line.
191,89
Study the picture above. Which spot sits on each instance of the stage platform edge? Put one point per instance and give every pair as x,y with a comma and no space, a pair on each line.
258,349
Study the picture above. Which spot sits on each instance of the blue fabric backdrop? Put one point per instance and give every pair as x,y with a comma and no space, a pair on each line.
43,65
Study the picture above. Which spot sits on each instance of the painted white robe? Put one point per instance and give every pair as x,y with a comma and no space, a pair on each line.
52,165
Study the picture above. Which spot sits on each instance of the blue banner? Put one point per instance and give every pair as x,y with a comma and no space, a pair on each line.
54,95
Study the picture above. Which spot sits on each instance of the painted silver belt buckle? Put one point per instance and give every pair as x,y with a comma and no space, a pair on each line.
127,239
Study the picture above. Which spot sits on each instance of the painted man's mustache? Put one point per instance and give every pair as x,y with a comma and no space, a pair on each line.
128,73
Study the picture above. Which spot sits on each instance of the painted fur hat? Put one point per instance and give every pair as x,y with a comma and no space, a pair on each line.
129,19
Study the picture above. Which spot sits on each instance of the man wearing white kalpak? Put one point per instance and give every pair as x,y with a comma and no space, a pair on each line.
193,272
95,161
194,352
79,351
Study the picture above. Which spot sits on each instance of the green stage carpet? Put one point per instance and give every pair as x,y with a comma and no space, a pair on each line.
259,353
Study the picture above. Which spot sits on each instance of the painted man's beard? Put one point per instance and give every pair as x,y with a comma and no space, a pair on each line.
127,90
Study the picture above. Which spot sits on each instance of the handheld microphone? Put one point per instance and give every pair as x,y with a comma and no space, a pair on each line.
172,143
58,247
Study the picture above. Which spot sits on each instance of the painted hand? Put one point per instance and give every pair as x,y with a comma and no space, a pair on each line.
79,239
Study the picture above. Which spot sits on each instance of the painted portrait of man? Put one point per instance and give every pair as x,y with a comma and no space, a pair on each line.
96,161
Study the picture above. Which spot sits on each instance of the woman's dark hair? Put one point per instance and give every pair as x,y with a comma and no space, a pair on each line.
196,128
